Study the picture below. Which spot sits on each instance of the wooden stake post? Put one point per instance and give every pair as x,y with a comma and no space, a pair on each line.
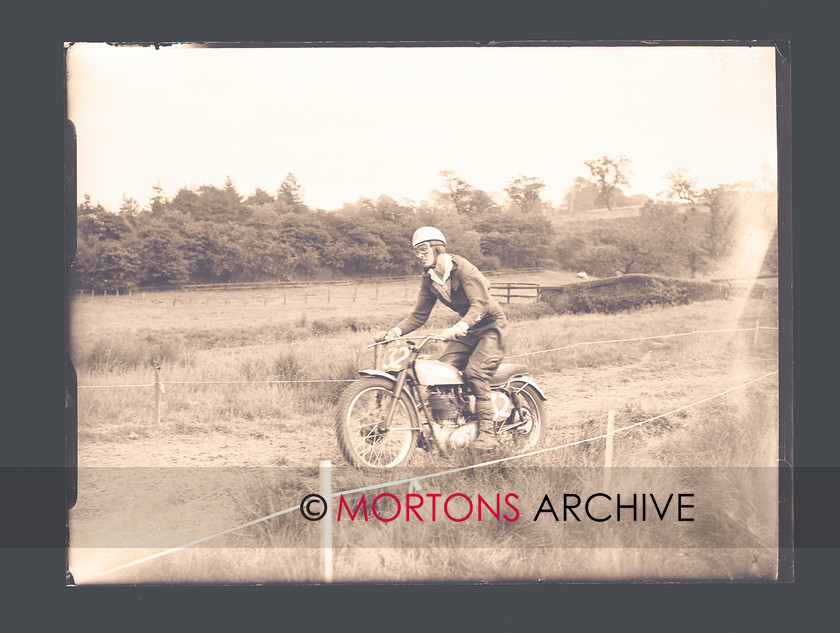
158,396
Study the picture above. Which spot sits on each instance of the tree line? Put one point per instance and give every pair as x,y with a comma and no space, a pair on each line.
215,234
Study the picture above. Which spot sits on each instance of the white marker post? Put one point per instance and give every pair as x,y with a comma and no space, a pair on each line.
608,454
326,522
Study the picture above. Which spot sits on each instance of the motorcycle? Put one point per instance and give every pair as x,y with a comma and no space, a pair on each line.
412,400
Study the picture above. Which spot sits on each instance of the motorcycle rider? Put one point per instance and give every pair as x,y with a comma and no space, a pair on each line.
476,345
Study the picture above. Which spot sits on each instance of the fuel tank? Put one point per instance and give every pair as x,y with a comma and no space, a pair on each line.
434,372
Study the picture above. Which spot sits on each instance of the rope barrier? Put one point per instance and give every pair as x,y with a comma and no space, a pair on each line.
236,382
429,476
221,382
552,448
640,338
544,351
151,384
172,550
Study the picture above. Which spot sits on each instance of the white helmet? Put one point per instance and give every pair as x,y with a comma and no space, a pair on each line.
426,234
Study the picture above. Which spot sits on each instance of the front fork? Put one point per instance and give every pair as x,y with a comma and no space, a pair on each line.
399,385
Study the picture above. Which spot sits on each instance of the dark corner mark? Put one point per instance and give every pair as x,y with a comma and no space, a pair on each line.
783,51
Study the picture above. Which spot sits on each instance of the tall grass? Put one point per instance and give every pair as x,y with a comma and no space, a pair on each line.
328,343
732,538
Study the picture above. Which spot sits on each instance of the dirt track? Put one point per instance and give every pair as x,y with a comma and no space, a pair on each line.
579,400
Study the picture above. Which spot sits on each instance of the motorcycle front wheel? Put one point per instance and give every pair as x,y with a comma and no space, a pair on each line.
361,409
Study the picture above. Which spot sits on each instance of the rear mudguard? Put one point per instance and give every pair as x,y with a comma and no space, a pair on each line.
518,383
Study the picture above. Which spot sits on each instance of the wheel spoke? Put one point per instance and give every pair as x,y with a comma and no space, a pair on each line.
362,419
524,433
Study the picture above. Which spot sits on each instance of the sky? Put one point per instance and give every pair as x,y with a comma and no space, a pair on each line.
365,122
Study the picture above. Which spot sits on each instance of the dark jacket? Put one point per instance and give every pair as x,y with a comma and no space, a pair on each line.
469,297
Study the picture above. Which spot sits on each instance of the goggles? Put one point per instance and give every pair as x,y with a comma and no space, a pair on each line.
422,249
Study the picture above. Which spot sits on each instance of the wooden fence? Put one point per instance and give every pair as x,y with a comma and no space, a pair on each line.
260,285
518,290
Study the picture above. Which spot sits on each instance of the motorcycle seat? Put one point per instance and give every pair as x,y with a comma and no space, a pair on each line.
506,371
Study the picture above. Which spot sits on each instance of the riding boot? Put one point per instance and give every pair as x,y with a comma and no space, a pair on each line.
484,416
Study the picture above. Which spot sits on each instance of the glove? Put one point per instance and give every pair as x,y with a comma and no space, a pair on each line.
386,335
459,329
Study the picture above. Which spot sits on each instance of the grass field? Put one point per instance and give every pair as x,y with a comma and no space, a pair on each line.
225,454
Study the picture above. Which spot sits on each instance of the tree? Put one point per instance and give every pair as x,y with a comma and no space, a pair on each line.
158,202
468,245
392,211
129,207
87,207
105,265
694,246
656,241
430,212
233,201
212,250
263,256
304,238
608,175
103,226
721,201
358,248
582,195
162,259
683,186
514,243
456,189
742,219
258,198
467,199
290,195
210,202
188,201
525,192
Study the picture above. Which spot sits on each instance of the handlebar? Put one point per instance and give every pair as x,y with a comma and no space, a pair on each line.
425,339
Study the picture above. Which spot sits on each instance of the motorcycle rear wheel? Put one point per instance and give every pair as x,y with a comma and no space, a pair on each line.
361,408
530,435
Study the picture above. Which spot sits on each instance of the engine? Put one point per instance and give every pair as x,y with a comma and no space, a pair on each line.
444,406
449,409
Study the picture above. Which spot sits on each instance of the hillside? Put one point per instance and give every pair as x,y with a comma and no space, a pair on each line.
564,217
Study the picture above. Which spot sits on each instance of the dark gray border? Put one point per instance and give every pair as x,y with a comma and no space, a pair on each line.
33,592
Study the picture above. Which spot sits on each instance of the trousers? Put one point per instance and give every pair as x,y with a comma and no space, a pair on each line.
478,355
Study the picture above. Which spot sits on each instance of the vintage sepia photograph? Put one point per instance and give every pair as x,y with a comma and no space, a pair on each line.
426,314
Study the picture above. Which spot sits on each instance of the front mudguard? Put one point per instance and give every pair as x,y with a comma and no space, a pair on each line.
378,373
375,373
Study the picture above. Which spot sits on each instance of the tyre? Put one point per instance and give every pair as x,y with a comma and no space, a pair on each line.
525,433
361,409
